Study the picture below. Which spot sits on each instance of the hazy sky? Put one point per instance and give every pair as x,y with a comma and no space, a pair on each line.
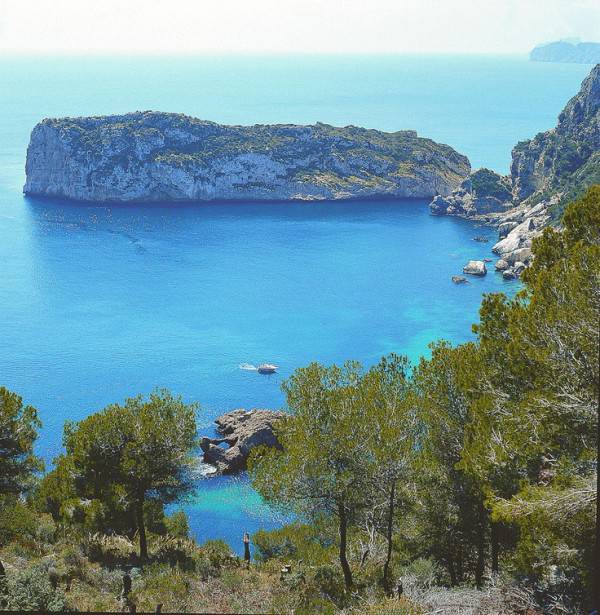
218,26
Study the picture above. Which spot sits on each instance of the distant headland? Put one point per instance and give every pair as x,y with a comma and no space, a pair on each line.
152,156
567,51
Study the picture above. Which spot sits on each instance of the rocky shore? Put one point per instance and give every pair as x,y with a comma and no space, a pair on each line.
150,156
547,172
242,431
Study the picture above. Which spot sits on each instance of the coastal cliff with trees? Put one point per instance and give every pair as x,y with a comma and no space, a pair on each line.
466,483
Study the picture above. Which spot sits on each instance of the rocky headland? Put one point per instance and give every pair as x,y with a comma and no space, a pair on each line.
151,156
241,431
547,172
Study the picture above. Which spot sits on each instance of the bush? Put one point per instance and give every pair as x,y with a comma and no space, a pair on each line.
160,584
16,521
31,590
177,525
212,557
295,541
174,551
109,550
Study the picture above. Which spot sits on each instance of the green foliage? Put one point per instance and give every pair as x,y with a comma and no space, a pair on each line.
534,429
18,432
488,183
293,542
177,525
31,590
126,460
16,520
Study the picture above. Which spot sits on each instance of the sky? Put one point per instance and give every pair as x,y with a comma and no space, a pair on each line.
292,26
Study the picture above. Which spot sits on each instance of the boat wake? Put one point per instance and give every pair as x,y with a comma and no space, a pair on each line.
248,367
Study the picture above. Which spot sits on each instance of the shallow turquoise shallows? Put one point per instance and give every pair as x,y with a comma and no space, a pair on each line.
101,302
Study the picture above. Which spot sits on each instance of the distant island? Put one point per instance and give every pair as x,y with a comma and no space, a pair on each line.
152,156
566,51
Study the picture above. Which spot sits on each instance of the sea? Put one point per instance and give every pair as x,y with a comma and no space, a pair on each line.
99,302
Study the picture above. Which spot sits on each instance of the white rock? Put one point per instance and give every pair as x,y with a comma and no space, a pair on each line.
475,268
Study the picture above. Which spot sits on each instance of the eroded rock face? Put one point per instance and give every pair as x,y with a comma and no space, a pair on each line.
148,156
565,159
514,249
242,430
547,172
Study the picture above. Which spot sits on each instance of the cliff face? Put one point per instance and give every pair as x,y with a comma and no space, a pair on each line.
169,157
547,172
565,159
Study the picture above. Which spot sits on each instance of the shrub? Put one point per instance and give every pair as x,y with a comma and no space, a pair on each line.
31,590
174,551
16,521
108,550
177,525
295,541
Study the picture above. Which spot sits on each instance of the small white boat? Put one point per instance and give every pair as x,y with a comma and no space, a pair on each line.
267,368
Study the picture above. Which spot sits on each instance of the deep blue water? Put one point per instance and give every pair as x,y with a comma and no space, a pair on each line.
101,302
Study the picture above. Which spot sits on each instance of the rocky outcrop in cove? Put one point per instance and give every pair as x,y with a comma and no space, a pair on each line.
242,430
149,156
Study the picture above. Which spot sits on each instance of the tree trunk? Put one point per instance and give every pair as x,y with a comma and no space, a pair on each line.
595,580
141,530
495,546
343,544
460,575
480,565
3,588
390,529
452,572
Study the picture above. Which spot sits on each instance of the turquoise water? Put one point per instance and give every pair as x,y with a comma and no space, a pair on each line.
100,302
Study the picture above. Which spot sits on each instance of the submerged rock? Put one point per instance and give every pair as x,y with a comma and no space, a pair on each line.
475,268
459,279
150,156
242,430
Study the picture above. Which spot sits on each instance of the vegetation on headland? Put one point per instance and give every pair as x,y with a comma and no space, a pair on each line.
465,483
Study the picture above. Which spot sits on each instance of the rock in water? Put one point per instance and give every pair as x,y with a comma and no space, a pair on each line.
242,430
150,156
475,268
459,279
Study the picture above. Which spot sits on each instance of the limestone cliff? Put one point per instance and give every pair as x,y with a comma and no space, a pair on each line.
566,159
547,172
148,156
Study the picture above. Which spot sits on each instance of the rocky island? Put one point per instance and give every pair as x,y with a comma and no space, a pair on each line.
151,156
567,51
547,172
241,431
